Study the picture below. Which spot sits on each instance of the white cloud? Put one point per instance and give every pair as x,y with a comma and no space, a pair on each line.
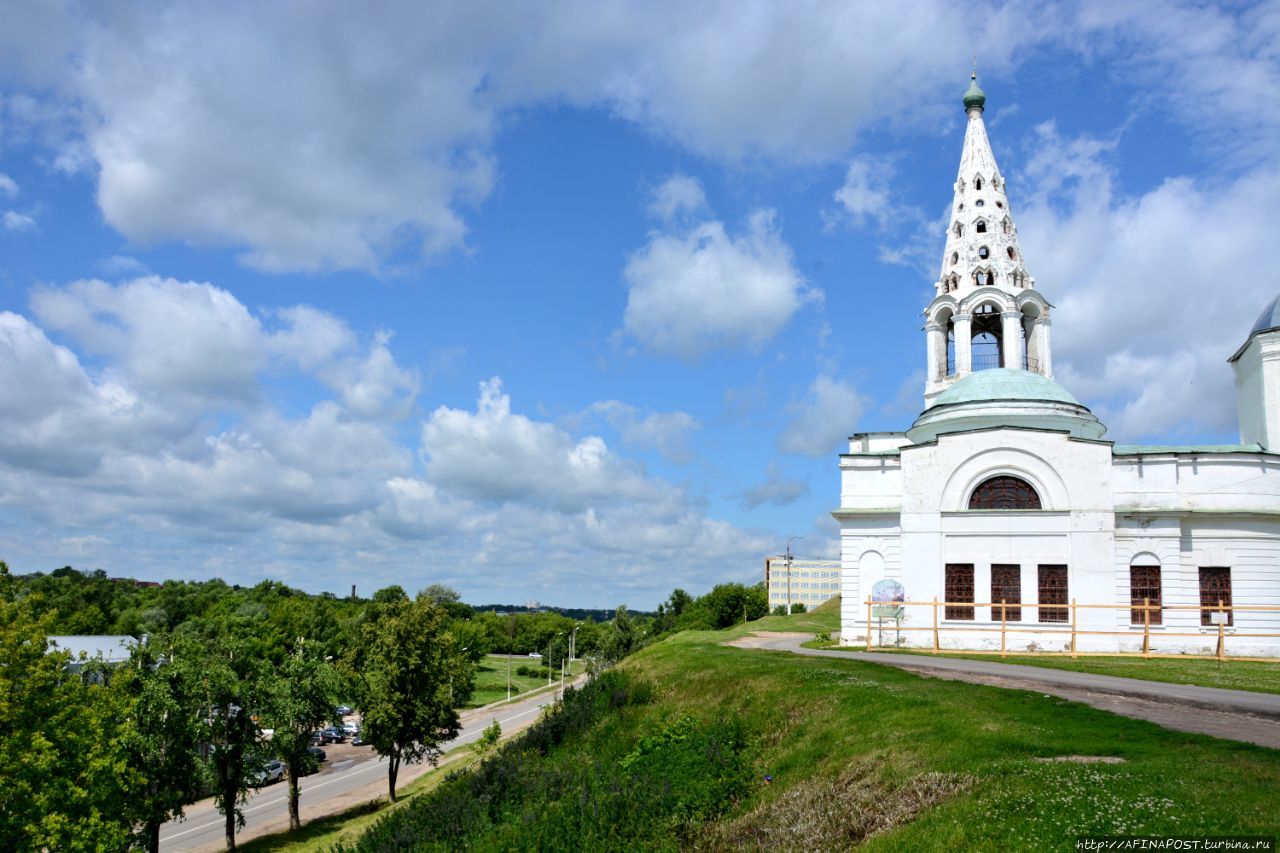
123,266
1154,291
824,419
776,490
329,136
493,454
666,432
703,289
676,196
866,199
14,221
164,334
8,187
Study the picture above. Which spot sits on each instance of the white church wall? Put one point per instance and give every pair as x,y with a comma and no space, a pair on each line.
870,551
871,482
1258,391
1197,480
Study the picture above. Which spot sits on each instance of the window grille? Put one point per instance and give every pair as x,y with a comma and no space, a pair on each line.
1004,493
1053,593
1006,586
1215,586
1144,583
959,587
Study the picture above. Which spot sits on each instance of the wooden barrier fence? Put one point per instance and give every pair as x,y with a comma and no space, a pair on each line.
1225,613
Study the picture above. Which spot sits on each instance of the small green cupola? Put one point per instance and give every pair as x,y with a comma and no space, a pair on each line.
974,96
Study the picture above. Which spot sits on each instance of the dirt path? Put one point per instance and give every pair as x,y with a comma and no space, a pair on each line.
1187,712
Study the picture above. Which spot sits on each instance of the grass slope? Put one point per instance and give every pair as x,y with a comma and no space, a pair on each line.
862,754
1258,676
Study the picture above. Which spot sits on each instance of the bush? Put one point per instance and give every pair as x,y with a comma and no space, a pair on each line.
560,786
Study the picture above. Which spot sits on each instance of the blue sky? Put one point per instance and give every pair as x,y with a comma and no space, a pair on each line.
574,301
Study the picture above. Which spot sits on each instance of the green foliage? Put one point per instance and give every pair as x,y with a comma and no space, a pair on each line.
161,688
66,783
798,607
488,740
569,783
304,692
414,676
235,684
725,605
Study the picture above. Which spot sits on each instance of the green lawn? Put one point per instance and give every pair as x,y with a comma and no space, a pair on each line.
491,678
1258,676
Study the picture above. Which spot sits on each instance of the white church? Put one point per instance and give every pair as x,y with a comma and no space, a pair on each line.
1005,491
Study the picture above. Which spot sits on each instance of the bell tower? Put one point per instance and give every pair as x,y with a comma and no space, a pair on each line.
986,311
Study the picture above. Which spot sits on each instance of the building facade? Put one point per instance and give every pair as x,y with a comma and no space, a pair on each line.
804,581
1004,490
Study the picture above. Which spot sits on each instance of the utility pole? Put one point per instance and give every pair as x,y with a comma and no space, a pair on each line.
789,541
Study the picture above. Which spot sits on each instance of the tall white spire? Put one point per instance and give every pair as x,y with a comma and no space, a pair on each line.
986,312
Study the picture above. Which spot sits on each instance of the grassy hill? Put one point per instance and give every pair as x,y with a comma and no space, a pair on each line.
692,743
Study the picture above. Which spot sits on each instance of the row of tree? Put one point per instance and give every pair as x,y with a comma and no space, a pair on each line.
103,757
100,757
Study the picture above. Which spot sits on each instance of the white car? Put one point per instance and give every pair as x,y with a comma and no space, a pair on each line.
351,727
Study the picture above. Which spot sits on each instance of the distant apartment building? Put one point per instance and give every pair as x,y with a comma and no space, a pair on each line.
811,581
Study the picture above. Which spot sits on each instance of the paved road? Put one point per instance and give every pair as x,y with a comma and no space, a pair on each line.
358,768
1243,701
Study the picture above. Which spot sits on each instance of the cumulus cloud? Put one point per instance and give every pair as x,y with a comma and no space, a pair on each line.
165,334
168,474
776,490
8,187
679,194
822,421
666,432
339,137
907,236
497,455
1153,291
698,289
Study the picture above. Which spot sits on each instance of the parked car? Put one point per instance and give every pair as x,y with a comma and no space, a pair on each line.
272,771
342,710
351,727
318,753
333,734
535,655
358,740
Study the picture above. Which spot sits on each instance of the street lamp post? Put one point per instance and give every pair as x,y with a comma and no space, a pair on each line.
549,642
789,541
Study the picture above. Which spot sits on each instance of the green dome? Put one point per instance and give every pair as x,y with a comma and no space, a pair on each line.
974,97
1005,383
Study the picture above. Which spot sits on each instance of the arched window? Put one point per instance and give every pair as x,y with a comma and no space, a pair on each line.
999,204
981,227
1004,492
959,229
977,183
979,203
955,258
1012,254
1008,226
984,252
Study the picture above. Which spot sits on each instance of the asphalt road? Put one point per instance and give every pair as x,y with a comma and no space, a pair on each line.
348,769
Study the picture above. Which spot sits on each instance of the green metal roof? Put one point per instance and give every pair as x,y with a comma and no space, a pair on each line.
1005,383
974,96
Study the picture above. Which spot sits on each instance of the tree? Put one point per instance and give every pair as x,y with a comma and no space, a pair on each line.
305,692
623,637
488,740
235,688
414,673
161,683
66,785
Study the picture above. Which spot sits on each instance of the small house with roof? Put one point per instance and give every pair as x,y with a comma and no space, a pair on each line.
1009,521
